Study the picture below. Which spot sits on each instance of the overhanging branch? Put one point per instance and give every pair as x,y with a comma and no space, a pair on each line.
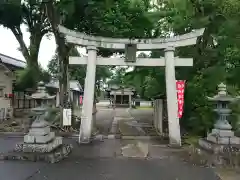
19,36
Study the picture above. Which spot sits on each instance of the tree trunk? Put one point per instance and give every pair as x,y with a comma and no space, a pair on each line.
62,50
63,83
19,36
30,54
35,41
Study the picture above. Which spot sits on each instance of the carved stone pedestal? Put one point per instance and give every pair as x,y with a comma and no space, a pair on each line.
40,144
221,141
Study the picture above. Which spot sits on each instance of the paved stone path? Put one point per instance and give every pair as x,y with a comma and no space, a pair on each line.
110,120
134,122
144,115
104,120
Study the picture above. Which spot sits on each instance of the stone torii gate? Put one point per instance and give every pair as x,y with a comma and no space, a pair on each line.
131,46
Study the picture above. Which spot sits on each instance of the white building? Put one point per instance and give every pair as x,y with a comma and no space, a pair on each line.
76,91
7,67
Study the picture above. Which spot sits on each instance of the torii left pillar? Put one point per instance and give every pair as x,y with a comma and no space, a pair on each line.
88,100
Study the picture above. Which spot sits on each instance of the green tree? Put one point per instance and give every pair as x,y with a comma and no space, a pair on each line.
29,13
211,55
78,72
216,56
103,18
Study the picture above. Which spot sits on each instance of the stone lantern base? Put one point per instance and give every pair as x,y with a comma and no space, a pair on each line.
40,145
54,156
223,137
218,148
219,141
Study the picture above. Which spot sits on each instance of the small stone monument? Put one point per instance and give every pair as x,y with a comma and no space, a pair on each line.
40,144
222,135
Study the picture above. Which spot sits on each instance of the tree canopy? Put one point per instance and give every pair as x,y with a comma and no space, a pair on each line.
31,14
216,54
216,57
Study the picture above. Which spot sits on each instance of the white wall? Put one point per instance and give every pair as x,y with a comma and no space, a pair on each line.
145,103
6,86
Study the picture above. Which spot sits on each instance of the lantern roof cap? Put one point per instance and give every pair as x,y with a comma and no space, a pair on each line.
222,95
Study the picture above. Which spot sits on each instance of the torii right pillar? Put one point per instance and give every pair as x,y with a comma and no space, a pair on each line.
172,105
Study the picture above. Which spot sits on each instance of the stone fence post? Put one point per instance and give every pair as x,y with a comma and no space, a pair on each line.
158,115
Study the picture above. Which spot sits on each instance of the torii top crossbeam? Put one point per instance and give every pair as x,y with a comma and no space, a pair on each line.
83,39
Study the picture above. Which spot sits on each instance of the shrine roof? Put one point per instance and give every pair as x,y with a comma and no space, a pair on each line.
7,60
120,88
74,85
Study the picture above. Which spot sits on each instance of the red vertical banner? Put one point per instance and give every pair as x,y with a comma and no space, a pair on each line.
81,99
180,85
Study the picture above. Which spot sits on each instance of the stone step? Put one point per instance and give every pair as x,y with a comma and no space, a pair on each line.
39,139
51,157
39,131
40,148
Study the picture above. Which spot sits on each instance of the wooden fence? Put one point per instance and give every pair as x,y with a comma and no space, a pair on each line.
21,101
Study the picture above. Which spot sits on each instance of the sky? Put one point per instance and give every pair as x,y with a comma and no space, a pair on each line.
9,46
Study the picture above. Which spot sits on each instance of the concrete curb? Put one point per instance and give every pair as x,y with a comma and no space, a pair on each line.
112,136
141,137
75,135
21,134
12,134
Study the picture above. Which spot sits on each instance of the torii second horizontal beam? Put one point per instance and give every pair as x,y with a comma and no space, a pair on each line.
139,62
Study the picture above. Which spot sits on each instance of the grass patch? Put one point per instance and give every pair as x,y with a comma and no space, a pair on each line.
191,140
144,107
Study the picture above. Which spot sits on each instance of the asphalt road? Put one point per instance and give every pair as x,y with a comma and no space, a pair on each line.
98,161
104,169
122,169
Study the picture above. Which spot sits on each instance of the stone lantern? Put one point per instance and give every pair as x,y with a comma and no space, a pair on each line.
40,144
42,99
222,133
41,96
